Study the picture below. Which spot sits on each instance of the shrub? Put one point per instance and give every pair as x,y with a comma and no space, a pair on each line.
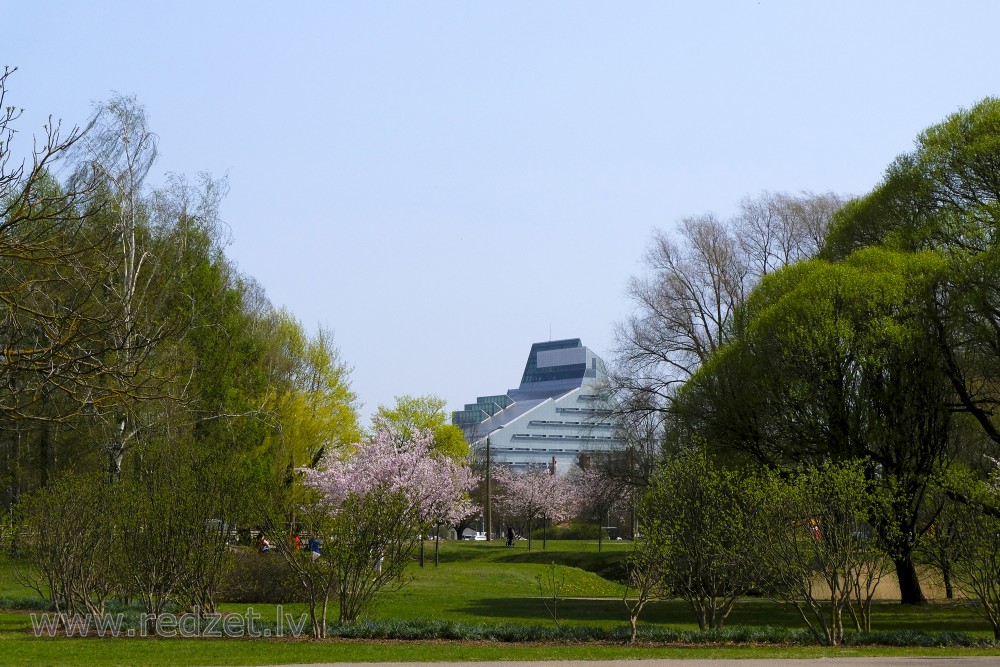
515,632
257,577
568,531
69,541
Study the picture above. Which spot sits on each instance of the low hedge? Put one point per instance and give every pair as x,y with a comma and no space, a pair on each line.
515,632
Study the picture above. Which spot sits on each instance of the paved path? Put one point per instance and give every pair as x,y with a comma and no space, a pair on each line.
943,661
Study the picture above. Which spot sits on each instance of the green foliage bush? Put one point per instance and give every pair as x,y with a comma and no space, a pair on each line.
514,632
260,577
607,566
913,638
26,604
568,531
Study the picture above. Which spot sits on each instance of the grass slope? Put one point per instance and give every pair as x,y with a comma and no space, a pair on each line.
477,582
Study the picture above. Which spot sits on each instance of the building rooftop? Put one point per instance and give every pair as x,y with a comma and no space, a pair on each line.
554,368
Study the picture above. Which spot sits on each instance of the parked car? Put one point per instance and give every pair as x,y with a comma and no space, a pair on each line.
477,536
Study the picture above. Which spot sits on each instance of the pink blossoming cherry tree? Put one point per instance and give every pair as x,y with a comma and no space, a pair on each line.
535,494
435,487
378,497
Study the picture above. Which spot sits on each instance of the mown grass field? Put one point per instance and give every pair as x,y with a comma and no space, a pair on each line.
476,582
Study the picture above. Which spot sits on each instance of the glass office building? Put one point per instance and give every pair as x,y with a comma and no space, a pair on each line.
558,412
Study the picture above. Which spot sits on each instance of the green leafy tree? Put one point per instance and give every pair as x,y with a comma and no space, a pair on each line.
945,195
837,362
966,544
314,409
117,153
940,545
412,413
698,530
820,552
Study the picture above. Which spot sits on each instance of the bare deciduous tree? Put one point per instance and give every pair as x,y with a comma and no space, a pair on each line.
777,229
52,336
697,279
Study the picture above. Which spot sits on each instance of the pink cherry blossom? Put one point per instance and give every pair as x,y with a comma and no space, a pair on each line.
534,494
435,485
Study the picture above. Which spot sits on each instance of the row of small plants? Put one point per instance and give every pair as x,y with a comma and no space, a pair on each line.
515,632
132,618
820,539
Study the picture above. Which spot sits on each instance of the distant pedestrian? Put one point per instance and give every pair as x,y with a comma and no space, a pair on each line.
314,548
510,536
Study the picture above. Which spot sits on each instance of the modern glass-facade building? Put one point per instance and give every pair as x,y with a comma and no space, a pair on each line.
558,412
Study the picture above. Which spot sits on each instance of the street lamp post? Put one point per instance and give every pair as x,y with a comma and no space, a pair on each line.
489,499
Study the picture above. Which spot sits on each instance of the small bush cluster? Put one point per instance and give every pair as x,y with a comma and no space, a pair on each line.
260,577
515,632
572,530
25,604
914,638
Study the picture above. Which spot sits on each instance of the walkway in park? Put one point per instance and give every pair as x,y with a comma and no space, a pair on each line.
972,661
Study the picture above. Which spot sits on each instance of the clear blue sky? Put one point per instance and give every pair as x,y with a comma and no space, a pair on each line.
442,182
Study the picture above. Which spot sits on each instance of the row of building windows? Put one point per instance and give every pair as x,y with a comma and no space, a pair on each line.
556,422
567,372
538,436
523,464
584,411
540,450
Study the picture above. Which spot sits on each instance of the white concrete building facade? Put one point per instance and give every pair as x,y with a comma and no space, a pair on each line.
558,412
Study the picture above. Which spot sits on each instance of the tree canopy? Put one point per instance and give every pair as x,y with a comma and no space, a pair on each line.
881,344
127,330
413,413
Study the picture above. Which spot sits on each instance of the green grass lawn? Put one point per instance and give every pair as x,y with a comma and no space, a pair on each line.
23,649
13,580
477,582
484,582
